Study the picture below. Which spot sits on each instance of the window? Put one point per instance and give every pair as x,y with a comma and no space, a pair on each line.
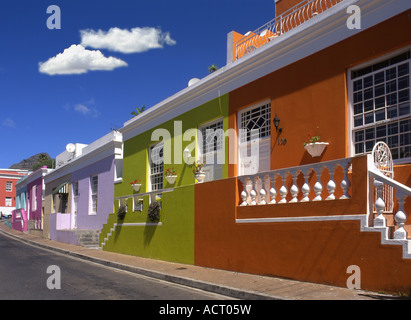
211,147
8,202
75,196
156,166
380,99
9,186
212,141
255,118
34,198
94,192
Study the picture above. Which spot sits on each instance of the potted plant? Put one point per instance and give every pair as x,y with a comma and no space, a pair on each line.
199,174
122,210
170,175
136,185
154,211
314,146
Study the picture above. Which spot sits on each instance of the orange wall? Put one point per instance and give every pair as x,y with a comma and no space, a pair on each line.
310,95
317,252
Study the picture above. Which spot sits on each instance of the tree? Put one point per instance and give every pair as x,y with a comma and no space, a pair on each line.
212,68
138,110
43,160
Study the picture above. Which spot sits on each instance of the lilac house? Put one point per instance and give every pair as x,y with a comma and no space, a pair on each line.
80,191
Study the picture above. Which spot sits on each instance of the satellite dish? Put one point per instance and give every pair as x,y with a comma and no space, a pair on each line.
71,148
193,81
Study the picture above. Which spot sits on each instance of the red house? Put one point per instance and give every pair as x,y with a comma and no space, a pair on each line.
8,180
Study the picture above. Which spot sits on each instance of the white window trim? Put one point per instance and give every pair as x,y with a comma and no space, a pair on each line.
91,211
351,147
203,126
34,198
7,203
9,183
150,187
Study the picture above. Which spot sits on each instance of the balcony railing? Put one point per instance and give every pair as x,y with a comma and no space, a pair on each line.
325,181
263,188
288,20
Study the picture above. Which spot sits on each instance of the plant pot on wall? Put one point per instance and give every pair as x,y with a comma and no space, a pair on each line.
136,187
316,149
171,179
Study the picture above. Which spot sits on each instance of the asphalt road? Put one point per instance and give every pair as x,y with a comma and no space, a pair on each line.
24,275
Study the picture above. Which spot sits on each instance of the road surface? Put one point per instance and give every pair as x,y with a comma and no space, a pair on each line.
30,272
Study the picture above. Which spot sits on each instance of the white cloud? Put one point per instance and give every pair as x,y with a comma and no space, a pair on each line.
77,60
86,111
126,41
9,123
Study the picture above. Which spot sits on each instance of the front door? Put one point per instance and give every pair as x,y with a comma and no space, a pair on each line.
254,139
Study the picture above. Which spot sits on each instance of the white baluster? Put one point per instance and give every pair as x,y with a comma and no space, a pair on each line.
283,189
244,192
379,205
262,195
294,189
400,218
318,187
331,186
345,183
253,195
306,187
273,192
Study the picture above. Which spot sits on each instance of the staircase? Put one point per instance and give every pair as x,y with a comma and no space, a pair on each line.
88,238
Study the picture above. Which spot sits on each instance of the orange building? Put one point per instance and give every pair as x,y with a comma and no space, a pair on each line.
326,72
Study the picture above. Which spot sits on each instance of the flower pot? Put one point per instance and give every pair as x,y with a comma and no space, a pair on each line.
171,179
136,187
315,149
199,176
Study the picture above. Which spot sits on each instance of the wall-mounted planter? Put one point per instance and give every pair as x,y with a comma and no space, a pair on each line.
199,176
136,187
316,149
171,179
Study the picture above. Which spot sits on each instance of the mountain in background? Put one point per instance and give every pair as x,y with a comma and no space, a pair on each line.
34,162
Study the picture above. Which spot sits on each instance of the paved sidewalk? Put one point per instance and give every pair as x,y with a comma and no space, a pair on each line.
233,284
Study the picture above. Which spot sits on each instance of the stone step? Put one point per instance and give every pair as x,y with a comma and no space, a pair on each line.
88,238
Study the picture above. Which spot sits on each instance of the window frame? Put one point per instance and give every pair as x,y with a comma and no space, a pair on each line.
159,174
9,184
378,124
202,156
8,202
93,195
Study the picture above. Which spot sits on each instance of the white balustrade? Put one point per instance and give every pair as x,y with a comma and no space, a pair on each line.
381,182
257,191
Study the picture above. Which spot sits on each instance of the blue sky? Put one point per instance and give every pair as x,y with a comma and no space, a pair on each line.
144,52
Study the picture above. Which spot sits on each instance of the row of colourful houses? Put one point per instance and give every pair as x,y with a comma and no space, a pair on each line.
267,205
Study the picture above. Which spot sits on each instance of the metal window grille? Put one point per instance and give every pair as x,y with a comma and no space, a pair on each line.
257,118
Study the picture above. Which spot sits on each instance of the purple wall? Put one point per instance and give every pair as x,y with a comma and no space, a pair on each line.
17,223
35,214
105,171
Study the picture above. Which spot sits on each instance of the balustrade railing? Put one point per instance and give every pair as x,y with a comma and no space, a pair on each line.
381,181
297,184
281,24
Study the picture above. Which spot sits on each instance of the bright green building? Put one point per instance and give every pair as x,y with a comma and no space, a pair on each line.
176,143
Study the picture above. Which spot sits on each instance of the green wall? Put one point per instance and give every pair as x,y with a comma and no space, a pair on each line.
173,240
